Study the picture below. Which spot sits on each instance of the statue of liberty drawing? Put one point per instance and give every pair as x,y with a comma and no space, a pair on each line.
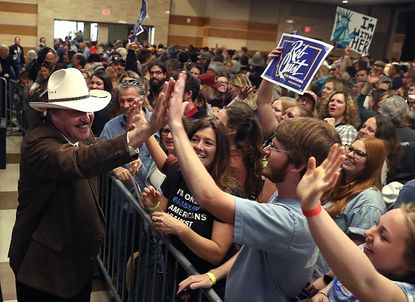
341,34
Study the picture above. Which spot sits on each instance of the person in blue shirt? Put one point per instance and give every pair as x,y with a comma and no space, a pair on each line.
385,270
129,92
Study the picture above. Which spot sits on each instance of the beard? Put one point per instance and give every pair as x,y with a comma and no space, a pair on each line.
156,85
279,175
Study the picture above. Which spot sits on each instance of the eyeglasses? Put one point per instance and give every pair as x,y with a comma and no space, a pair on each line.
165,131
129,83
158,72
223,82
307,100
269,143
357,152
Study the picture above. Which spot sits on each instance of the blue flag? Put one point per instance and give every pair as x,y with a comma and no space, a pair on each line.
138,29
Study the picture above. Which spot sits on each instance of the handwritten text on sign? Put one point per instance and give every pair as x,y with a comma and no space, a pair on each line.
354,30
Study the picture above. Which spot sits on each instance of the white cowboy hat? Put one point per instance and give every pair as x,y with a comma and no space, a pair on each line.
67,89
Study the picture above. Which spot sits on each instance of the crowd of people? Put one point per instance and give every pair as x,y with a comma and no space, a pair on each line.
271,195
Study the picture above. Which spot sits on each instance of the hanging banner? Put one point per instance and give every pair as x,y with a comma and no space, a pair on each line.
353,30
300,59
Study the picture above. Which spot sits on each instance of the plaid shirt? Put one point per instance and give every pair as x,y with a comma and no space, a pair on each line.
347,133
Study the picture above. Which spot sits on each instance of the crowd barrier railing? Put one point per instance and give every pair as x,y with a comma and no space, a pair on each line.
3,121
15,111
139,263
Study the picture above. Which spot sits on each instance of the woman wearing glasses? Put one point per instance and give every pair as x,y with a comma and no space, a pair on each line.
204,240
355,203
384,268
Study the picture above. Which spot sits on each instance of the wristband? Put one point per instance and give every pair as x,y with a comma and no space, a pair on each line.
211,277
153,208
324,294
313,212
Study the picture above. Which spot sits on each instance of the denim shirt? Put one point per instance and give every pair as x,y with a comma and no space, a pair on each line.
117,126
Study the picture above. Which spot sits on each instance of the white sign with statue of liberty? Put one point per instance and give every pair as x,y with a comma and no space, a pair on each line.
353,30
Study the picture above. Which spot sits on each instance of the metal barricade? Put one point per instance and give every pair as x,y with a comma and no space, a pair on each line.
13,108
15,111
3,124
138,263
3,98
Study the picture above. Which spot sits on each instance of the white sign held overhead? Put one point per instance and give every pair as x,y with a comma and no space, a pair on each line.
353,30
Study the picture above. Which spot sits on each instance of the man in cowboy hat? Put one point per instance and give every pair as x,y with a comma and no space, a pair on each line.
59,224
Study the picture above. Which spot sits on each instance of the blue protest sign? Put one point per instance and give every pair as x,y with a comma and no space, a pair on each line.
299,61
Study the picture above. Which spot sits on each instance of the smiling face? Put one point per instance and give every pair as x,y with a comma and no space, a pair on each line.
337,106
277,162
386,243
355,163
368,129
75,125
223,87
44,72
96,83
204,144
167,139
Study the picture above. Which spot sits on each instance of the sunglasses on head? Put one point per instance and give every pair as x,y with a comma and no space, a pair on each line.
129,83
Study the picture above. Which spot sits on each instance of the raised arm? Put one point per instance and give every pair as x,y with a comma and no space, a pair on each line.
349,264
142,129
156,152
263,101
346,61
204,189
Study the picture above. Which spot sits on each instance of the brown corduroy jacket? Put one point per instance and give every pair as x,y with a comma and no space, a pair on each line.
59,223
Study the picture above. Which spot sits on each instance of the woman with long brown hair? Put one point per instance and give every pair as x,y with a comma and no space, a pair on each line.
204,240
245,134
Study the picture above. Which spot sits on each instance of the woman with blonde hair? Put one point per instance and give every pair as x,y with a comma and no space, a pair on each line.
341,111
241,89
280,106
